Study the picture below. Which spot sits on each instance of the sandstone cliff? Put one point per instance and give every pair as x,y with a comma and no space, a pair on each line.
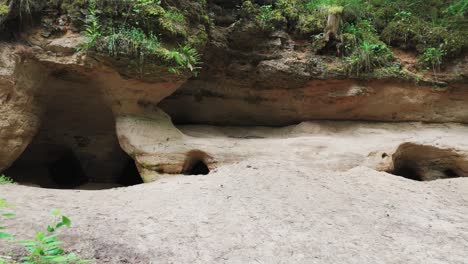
75,94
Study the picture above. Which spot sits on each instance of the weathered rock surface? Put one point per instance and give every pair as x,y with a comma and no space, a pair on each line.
307,201
252,78
20,82
159,149
378,100
68,101
271,80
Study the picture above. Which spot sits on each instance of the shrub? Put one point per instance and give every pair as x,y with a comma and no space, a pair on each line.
135,37
92,27
270,19
4,9
265,17
364,50
312,23
185,57
367,57
432,58
173,22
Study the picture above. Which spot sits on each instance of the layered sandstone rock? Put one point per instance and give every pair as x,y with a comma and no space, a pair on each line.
271,80
68,101
20,82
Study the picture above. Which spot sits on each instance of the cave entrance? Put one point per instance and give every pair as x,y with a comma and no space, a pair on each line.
66,172
198,168
130,175
76,146
427,163
195,163
407,171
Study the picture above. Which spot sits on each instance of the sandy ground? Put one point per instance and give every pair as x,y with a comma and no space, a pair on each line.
293,207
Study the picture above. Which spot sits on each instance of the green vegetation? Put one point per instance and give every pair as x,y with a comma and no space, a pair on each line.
4,9
92,27
6,180
363,50
265,17
432,58
435,30
136,28
3,213
45,247
360,33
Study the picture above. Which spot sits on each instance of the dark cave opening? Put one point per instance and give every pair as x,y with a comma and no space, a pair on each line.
130,175
198,168
427,163
195,164
76,145
408,172
66,172
450,173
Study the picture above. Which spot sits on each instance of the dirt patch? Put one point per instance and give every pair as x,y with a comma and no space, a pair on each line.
408,59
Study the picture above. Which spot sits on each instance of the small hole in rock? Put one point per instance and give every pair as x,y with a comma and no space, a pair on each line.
451,173
427,163
407,172
195,163
198,167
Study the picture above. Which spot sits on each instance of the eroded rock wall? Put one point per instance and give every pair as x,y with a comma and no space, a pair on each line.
222,102
20,111
96,106
62,106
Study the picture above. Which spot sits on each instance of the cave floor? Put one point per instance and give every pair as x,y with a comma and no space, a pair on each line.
292,207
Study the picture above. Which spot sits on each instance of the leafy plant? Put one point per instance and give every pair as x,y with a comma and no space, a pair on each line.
457,8
364,50
266,17
3,213
4,9
185,57
92,27
367,57
6,180
432,57
45,248
132,34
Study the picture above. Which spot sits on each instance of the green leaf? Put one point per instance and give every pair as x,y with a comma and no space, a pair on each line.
5,235
40,236
9,215
27,243
66,221
56,212
59,259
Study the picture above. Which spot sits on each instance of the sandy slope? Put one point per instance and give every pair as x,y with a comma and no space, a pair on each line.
289,208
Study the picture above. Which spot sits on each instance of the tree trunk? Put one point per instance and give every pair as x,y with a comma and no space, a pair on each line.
333,26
